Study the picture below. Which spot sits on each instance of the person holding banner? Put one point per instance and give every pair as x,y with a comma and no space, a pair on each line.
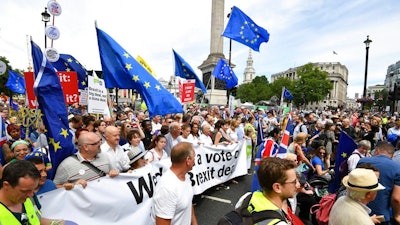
173,194
88,164
17,188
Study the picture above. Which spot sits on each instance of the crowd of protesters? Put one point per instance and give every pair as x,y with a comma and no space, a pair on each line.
130,139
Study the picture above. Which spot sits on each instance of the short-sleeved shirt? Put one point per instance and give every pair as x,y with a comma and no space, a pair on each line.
173,199
389,175
71,169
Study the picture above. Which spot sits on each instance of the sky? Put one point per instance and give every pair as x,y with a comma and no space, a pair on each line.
301,31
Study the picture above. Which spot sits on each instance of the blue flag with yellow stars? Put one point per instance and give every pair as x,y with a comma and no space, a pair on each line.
121,70
243,30
3,139
287,94
68,63
51,101
344,150
16,82
224,72
184,70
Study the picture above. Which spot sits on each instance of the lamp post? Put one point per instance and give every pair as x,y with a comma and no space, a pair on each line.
45,19
366,42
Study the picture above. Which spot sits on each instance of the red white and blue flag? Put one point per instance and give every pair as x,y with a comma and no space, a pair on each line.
285,139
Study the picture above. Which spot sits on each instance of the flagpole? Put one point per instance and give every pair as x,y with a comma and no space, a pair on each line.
208,82
283,90
229,63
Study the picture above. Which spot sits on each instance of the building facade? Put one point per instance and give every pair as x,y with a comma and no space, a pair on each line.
337,74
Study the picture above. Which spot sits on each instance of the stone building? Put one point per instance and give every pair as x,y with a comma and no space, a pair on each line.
337,73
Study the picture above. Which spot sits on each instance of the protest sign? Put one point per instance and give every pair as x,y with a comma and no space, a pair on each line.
69,85
128,197
97,96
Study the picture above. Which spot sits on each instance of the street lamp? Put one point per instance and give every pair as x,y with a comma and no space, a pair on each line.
45,19
366,42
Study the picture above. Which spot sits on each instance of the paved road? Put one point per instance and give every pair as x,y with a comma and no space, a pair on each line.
215,203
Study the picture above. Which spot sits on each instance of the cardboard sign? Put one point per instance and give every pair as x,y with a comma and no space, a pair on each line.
69,85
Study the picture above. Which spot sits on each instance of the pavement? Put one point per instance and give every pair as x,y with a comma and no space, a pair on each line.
212,204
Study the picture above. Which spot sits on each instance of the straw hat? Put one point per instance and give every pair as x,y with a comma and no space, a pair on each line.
135,153
361,179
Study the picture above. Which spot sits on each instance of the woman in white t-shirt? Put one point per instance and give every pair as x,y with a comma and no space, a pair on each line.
157,151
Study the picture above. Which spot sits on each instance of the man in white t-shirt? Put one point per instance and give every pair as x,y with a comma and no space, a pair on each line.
173,194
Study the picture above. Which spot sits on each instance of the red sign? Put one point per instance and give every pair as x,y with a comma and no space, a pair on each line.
69,85
186,90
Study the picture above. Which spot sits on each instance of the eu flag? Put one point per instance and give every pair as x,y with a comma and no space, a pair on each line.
3,139
121,70
16,82
51,101
287,94
224,72
243,30
184,70
69,63
345,147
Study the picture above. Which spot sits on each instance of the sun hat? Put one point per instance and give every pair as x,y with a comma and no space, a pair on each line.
135,153
363,180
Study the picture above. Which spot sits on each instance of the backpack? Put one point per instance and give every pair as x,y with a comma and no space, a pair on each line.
319,213
241,216
344,167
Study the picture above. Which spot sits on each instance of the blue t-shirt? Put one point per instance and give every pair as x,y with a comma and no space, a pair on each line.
47,186
389,175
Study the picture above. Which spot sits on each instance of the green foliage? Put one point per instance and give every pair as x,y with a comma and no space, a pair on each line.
278,84
312,86
255,91
4,77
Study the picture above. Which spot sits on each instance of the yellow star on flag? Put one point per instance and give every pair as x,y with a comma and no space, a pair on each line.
146,84
135,78
128,66
344,154
158,87
56,146
69,60
64,132
126,55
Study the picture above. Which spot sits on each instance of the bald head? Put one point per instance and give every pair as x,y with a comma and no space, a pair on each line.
112,136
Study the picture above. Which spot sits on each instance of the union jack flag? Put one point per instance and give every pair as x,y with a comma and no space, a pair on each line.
285,139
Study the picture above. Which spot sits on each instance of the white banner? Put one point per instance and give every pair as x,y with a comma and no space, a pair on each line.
127,198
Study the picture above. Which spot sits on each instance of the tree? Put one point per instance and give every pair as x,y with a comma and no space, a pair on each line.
278,84
4,77
255,91
312,86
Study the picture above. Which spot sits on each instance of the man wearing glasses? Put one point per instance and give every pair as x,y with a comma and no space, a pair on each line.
279,182
20,178
88,164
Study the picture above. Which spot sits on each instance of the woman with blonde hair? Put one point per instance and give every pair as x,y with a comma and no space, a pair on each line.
295,147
